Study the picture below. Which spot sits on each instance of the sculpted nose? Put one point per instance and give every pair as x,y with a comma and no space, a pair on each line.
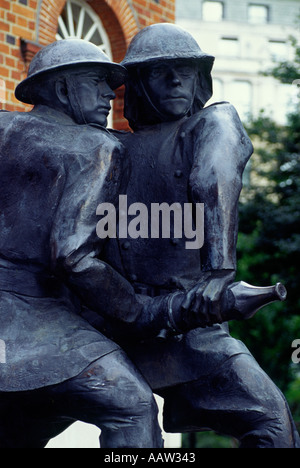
108,93
111,95
175,80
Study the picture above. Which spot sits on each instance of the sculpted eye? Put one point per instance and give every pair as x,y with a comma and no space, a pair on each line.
97,80
185,71
156,72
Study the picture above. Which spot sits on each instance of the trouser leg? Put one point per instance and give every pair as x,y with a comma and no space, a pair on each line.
29,420
239,400
110,394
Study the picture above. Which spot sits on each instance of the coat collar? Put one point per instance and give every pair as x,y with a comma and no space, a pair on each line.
52,115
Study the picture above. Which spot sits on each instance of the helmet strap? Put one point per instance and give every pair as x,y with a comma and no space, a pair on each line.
74,102
161,116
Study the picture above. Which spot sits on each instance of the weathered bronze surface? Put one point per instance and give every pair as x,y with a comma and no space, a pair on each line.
57,163
91,325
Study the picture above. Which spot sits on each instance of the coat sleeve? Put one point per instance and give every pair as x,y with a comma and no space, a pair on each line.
76,247
92,178
221,150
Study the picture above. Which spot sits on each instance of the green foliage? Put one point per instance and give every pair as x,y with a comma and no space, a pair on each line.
207,440
284,71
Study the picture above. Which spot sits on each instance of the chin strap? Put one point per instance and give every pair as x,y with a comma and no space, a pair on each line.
74,102
159,114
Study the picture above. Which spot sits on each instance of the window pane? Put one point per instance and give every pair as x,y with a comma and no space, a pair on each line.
212,11
229,46
96,38
88,24
278,49
79,20
258,14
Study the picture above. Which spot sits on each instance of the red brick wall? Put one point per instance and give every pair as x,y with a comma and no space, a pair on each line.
25,25
16,21
150,12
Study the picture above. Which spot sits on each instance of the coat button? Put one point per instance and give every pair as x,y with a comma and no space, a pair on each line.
178,173
126,245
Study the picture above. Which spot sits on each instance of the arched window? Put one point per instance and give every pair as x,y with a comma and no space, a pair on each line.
78,20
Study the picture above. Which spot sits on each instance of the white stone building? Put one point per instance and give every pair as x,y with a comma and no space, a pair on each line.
244,36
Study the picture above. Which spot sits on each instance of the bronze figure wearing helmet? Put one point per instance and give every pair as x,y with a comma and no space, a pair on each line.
92,327
185,152
58,163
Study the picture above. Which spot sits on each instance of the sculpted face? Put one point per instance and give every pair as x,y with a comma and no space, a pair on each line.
93,95
171,87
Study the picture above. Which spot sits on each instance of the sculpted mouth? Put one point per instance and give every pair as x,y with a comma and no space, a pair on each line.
105,110
175,97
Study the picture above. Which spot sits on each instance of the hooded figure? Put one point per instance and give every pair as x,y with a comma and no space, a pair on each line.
182,154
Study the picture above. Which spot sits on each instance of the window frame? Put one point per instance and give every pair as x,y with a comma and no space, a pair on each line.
262,6
70,30
229,40
218,2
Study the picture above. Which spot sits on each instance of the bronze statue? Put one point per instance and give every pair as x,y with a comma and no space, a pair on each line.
76,306
182,152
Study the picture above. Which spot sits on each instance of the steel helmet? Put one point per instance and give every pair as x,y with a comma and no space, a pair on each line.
68,54
164,41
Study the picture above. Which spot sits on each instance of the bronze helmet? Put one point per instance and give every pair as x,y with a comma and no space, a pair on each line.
66,54
164,41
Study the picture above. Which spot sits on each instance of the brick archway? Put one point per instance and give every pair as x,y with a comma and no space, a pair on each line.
117,17
118,20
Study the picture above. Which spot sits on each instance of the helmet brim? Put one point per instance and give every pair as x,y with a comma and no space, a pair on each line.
116,76
199,60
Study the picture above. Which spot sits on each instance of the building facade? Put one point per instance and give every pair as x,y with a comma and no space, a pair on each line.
28,25
245,36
